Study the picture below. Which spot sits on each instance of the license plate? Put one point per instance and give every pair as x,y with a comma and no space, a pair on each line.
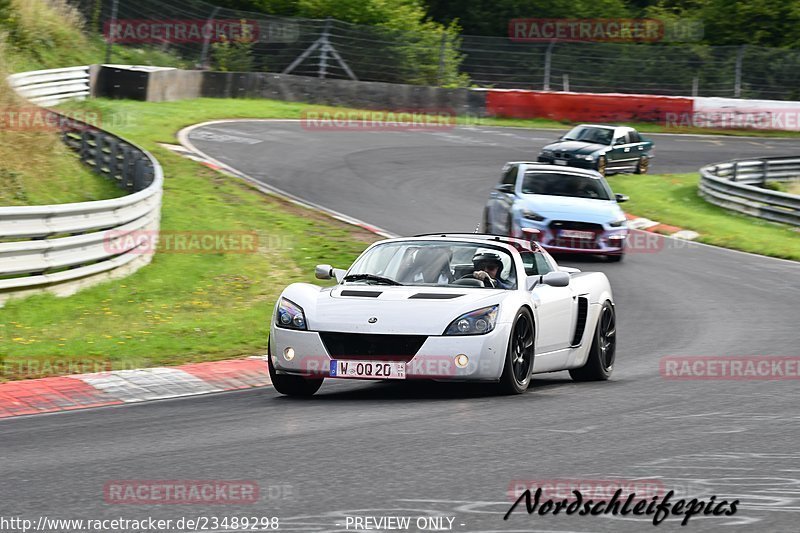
560,162
368,369
575,234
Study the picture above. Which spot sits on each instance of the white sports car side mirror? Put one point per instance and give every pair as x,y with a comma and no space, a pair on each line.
323,272
328,272
556,279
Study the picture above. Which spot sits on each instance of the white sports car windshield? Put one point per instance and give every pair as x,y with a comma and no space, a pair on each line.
560,184
428,263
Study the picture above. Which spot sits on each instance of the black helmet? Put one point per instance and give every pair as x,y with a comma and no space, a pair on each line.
487,257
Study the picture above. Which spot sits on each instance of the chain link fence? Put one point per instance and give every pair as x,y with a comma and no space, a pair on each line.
207,36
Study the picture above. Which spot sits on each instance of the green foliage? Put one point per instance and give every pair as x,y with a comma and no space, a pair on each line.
762,22
234,55
419,49
479,17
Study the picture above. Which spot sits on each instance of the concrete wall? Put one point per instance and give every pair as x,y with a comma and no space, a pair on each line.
173,84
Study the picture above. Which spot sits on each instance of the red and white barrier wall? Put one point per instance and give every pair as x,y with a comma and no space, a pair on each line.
670,111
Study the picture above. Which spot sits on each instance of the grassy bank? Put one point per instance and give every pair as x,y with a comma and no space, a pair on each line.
35,167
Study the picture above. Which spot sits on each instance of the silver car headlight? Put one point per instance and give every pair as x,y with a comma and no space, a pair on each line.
532,215
290,315
475,322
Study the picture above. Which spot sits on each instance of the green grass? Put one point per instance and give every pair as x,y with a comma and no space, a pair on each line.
673,199
37,169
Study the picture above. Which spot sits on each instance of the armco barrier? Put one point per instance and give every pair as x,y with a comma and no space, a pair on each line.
51,87
732,185
580,107
62,248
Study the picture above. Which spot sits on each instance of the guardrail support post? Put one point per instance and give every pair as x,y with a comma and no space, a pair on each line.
548,57
737,83
99,155
113,161
208,26
138,173
442,50
110,37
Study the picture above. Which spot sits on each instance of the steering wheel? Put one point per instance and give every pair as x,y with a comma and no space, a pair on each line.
488,282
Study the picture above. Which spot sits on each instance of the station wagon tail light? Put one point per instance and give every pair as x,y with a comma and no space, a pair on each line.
290,315
475,322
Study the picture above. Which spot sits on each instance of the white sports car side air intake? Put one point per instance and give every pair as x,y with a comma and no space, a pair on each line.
460,307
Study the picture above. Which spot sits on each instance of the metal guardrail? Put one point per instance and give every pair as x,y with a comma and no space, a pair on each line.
736,185
51,87
65,247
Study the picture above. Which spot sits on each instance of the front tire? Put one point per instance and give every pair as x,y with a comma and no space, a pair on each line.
293,385
519,355
601,165
600,364
643,165
616,258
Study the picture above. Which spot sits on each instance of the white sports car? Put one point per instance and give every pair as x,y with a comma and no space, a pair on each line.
460,307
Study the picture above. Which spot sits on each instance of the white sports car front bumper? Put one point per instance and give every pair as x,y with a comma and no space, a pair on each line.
436,358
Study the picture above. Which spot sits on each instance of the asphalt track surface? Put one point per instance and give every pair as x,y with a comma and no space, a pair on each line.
413,449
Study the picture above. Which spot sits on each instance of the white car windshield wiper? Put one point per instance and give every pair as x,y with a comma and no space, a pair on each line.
371,277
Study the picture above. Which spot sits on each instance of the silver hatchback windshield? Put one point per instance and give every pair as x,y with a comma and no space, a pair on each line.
561,184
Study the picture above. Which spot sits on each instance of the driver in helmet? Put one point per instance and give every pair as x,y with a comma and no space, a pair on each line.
488,266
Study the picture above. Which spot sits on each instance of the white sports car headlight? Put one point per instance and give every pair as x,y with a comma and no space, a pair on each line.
475,322
290,315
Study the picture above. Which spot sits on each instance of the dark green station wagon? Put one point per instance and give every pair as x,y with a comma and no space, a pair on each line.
606,149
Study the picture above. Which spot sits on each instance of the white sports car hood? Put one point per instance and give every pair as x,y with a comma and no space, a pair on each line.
567,208
396,309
